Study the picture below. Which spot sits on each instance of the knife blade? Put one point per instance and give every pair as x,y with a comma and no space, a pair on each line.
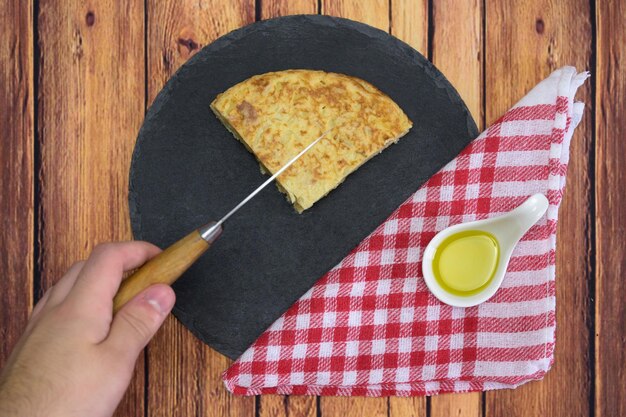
169,265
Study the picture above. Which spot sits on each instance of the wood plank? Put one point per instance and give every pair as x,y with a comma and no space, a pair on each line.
375,13
457,51
525,41
354,407
91,106
16,171
278,405
179,29
457,44
287,406
610,161
409,22
184,374
276,8
372,12
408,407
185,377
446,405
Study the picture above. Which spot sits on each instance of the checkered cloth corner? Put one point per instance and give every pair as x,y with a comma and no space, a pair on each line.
370,326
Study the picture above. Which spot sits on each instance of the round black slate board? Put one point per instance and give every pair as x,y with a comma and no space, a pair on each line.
187,169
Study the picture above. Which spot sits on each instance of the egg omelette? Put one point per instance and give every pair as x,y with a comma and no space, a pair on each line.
277,114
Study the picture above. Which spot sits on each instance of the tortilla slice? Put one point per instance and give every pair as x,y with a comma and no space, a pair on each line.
275,115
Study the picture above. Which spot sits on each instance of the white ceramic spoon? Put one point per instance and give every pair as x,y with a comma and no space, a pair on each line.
508,229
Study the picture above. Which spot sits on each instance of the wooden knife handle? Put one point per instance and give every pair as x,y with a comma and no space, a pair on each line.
165,268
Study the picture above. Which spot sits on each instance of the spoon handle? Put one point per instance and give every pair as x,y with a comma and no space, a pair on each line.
528,213
510,227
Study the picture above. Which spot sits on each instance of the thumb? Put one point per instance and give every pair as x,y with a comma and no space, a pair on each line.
137,322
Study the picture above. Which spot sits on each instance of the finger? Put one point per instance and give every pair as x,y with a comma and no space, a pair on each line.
65,284
100,277
36,313
55,294
137,322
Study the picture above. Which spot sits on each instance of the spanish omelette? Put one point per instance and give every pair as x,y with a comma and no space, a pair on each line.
277,114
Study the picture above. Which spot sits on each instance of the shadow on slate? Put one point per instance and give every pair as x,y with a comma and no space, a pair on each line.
188,169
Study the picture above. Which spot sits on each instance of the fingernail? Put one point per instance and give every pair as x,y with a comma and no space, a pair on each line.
159,298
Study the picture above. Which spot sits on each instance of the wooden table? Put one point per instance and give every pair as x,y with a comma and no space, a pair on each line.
76,78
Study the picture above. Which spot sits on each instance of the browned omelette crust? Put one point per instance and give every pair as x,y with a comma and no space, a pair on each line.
278,114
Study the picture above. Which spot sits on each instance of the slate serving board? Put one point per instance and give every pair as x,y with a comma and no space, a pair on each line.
187,169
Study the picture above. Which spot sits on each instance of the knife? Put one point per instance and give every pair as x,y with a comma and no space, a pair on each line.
169,265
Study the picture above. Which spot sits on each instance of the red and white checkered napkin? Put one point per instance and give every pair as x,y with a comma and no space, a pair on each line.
371,327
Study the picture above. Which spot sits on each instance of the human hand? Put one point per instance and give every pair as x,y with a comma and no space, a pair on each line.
75,358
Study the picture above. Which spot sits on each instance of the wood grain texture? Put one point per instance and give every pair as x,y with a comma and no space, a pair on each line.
374,13
407,407
277,405
457,51
409,22
16,171
525,41
184,373
287,406
179,29
277,8
610,163
354,407
456,405
185,377
91,106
